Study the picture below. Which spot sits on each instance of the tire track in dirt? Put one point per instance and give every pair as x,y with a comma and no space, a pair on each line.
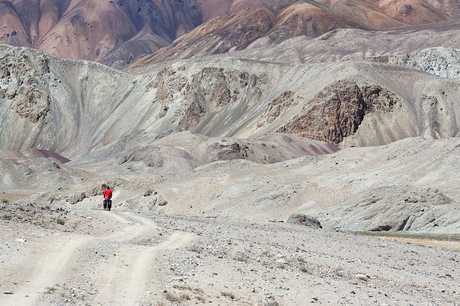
46,270
124,279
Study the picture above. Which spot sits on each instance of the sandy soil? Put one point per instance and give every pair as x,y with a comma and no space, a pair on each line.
126,258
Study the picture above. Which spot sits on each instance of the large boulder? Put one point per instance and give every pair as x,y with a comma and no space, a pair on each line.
309,221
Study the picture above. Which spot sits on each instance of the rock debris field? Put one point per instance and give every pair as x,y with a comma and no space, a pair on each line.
93,257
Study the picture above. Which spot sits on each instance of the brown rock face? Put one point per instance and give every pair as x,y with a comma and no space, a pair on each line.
337,111
412,12
232,31
305,19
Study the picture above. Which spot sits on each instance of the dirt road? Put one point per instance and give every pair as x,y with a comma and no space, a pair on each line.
117,281
126,258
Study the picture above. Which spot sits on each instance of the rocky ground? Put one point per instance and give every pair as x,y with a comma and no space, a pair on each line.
77,256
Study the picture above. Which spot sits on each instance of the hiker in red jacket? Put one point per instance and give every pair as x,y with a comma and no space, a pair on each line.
108,199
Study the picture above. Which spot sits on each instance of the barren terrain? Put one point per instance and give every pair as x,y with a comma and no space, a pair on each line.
168,241
227,118
129,258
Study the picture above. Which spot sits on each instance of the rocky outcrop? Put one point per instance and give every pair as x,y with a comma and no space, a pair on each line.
77,197
224,150
392,208
305,220
334,113
149,201
443,62
204,94
337,111
23,80
32,103
194,112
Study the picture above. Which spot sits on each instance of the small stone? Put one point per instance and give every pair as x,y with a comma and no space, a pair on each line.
7,292
362,277
341,273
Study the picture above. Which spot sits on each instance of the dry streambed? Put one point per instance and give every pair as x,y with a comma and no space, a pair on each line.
124,258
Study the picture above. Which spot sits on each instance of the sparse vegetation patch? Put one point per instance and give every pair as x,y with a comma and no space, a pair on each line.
175,298
50,290
182,287
228,294
304,269
195,249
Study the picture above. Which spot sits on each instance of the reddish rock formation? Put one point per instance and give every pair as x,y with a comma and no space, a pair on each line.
337,111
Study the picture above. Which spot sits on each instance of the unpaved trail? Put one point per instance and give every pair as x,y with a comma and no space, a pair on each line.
125,258
125,278
122,281
45,271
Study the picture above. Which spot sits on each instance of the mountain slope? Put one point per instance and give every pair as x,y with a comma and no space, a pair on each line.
91,29
119,32
75,107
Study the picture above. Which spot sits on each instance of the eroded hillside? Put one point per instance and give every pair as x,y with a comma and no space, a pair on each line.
74,107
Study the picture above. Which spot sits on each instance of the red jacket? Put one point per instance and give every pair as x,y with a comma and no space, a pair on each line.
108,193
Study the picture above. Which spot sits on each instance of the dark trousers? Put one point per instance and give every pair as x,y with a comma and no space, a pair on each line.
108,204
